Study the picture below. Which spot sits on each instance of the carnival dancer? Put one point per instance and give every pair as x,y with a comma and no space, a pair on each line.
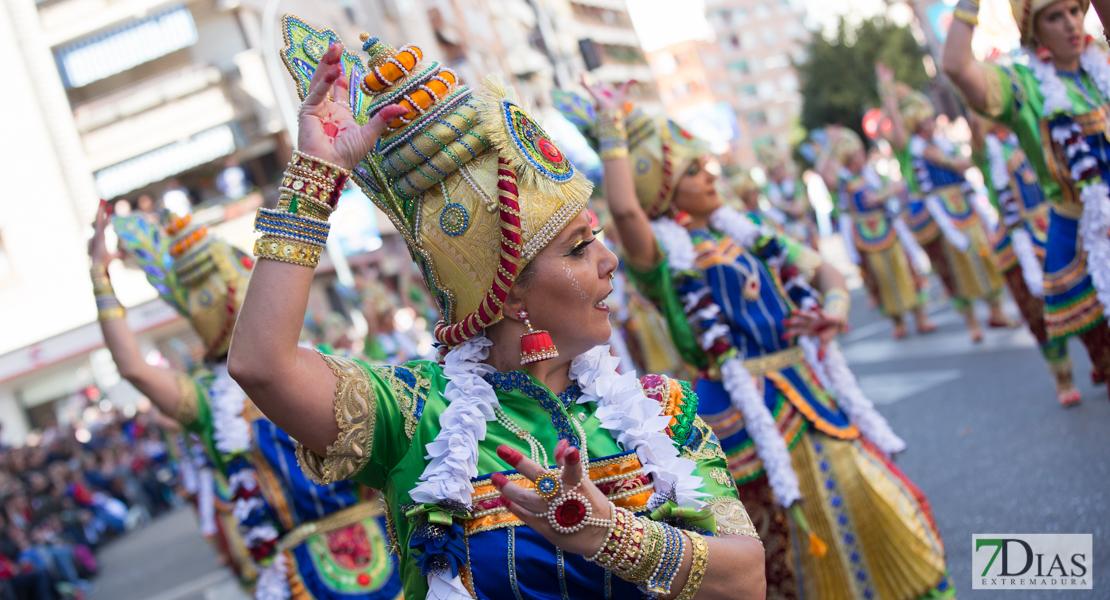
863,198
748,191
1019,241
798,431
788,195
960,251
304,541
523,465
1056,106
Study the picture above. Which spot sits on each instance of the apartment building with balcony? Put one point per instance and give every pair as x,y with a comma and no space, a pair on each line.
758,42
118,99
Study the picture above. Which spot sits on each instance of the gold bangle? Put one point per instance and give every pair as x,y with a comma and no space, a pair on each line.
699,562
111,314
304,206
966,17
297,253
612,136
837,303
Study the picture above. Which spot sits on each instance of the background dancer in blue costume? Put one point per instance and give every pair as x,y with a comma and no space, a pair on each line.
304,541
789,414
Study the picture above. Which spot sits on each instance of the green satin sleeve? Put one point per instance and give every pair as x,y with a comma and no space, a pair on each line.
982,162
194,413
657,285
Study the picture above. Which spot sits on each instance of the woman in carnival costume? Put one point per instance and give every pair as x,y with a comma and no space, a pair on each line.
1019,241
960,249
801,438
863,197
788,195
302,541
523,465
1056,106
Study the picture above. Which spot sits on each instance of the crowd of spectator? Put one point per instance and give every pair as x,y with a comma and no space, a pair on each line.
61,500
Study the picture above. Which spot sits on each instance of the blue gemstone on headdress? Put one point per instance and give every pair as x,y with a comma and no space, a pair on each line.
369,44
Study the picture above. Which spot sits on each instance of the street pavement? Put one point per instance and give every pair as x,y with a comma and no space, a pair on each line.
987,443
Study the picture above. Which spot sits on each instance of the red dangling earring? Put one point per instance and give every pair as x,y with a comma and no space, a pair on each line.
1044,54
535,345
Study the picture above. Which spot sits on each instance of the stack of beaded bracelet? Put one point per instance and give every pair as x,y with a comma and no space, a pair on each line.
292,226
837,303
647,553
108,307
297,230
612,137
967,11
314,179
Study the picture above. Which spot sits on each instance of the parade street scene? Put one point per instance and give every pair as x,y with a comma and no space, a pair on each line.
555,299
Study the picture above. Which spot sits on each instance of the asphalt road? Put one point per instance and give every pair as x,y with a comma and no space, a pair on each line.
987,444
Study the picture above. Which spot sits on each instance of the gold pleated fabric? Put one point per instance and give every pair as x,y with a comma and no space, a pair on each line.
879,529
894,279
974,270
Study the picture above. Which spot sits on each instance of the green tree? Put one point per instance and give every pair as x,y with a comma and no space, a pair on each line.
838,78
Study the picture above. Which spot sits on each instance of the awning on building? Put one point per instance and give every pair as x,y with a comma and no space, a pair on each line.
166,161
122,48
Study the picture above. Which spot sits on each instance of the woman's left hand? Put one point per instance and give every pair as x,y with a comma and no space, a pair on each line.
526,504
326,128
816,323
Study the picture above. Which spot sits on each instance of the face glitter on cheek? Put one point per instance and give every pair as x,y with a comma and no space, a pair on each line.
574,281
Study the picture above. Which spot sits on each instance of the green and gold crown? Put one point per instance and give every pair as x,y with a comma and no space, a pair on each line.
202,277
659,149
472,183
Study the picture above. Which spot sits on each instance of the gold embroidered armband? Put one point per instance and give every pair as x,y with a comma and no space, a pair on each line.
994,80
807,261
187,410
732,518
355,412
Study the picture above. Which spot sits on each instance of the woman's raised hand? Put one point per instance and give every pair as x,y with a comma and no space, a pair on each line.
327,129
527,505
606,96
98,248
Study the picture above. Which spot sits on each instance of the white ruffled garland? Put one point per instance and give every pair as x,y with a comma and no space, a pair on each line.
635,421
944,220
1094,223
846,226
232,434
273,582
909,244
837,377
1031,270
760,425
230,430
1022,241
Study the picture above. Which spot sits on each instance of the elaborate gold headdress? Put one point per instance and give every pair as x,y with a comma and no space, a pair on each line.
740,180
473,184
846,144
1025,12
658,148
202,277
769,156
915,106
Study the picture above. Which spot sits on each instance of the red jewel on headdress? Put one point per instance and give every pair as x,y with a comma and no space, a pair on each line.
363,579
570,513
550,152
